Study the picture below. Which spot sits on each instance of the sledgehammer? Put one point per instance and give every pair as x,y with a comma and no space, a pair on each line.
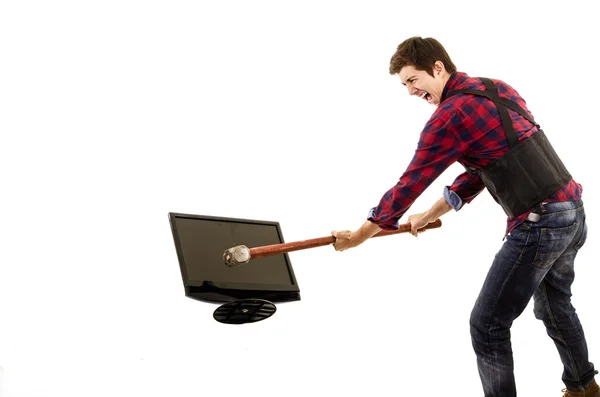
241,254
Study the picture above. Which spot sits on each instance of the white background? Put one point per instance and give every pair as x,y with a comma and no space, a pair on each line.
115,113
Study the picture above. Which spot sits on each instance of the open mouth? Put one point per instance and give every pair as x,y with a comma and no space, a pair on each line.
426,96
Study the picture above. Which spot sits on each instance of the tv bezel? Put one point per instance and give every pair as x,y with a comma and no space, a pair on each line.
210,291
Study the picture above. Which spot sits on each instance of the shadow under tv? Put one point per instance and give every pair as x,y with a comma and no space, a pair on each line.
201,240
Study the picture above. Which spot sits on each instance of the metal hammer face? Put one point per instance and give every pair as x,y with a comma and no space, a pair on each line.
236,256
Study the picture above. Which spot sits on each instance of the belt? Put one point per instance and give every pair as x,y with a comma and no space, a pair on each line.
533,216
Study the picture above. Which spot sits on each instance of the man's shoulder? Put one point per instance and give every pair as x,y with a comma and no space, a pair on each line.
475,83
463,81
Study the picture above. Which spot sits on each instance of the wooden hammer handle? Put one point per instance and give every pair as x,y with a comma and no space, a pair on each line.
268,250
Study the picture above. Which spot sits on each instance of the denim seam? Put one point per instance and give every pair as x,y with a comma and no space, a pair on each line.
559,213
504,285
560,334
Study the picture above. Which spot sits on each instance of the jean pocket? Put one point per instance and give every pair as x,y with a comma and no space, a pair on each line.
552,243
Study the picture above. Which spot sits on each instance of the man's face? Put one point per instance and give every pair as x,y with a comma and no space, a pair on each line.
422,84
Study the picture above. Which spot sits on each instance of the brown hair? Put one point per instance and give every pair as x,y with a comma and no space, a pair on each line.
421,54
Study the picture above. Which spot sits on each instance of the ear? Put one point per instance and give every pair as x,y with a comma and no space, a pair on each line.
438,68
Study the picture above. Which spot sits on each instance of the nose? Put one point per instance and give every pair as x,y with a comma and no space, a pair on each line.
412,90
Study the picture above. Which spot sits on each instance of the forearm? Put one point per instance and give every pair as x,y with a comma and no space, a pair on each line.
438,209
369,229
366,231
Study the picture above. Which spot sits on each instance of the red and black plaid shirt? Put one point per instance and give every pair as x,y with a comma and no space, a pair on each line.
464,128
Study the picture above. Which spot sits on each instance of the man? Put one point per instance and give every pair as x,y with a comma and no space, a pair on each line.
484,125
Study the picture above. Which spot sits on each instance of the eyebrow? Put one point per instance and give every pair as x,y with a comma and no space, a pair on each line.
410,78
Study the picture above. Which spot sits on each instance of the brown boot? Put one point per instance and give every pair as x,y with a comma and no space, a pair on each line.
593,390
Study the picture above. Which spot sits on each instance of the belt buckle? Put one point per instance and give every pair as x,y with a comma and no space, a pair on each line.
535,217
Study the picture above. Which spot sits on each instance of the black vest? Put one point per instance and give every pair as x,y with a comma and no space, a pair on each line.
529,172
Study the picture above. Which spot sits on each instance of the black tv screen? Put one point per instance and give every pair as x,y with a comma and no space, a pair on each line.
201,240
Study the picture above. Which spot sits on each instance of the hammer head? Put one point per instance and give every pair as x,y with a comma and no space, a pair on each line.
236,256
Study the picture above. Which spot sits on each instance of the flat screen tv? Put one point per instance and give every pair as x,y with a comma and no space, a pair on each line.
201,240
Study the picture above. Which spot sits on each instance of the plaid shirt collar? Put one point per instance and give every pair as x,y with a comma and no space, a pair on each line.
453,82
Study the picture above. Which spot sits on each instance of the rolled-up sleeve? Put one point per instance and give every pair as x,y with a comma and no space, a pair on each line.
463,190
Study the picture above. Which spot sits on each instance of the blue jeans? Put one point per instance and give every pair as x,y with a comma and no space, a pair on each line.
536,260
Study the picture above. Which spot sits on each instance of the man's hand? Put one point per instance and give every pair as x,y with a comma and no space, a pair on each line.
418,221
344,240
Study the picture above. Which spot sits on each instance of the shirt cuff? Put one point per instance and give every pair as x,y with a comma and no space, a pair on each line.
452,198
383,226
